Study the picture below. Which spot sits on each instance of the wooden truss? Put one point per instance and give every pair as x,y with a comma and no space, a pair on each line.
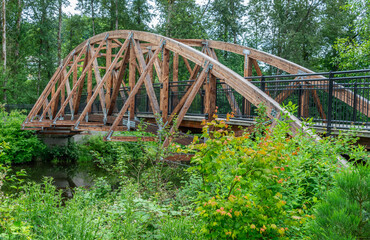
108,71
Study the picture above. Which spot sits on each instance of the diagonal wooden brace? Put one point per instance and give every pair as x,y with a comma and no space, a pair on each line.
133,92
101,83
198,84
80,79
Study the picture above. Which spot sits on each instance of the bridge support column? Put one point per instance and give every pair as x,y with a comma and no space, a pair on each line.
305,103
247,73
132,80
175,80
210,97
165,84
109,81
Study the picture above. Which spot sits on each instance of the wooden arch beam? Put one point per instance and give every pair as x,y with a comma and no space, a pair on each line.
232,79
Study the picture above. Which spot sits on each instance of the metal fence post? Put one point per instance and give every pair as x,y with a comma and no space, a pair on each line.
330,102
300,100
263,84
202,93
354,113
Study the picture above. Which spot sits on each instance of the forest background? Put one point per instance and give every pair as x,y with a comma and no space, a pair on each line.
321,35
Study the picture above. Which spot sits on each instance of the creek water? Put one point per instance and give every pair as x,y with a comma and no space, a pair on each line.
66,175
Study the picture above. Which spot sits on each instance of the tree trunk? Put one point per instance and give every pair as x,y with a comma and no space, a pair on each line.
168,27
116,1
139,15
92,16
4,49
19,20
60,32
41,42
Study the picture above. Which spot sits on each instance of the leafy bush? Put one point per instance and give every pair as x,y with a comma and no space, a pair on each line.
260,187
24,146
99,213
69,152
344,212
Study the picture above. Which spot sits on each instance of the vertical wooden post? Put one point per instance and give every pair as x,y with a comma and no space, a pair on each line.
77,101
175,79
165,83
89,85
108,62
75,58
305,97
247,73
54,106
150,72
210,98
63,93
132,79
52,95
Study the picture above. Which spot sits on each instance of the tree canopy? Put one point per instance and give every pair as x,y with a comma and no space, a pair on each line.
321,35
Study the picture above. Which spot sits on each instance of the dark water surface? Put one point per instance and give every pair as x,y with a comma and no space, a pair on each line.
66,175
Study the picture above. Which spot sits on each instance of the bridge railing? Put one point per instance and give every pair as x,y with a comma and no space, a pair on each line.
25,107
332,99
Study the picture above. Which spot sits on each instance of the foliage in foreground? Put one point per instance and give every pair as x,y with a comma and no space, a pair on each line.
344,214
261,185
23,146
99,213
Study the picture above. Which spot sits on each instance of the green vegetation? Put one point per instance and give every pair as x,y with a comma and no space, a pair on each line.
24,145
262,185
320,35
344,214
98,213
255,185
258,185
354,52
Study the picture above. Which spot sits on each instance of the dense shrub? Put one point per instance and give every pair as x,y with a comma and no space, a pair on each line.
261,185
100,213
345,210
24,146
64,153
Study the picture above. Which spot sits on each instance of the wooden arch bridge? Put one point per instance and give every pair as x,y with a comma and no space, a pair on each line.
114,79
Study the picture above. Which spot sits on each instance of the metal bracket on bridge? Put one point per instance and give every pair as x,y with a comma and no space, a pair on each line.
246,53
206,44
301,77
210,66
130,124
78,123
105,116
163,43
88,47
162,47
109,135
131,37
273,113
